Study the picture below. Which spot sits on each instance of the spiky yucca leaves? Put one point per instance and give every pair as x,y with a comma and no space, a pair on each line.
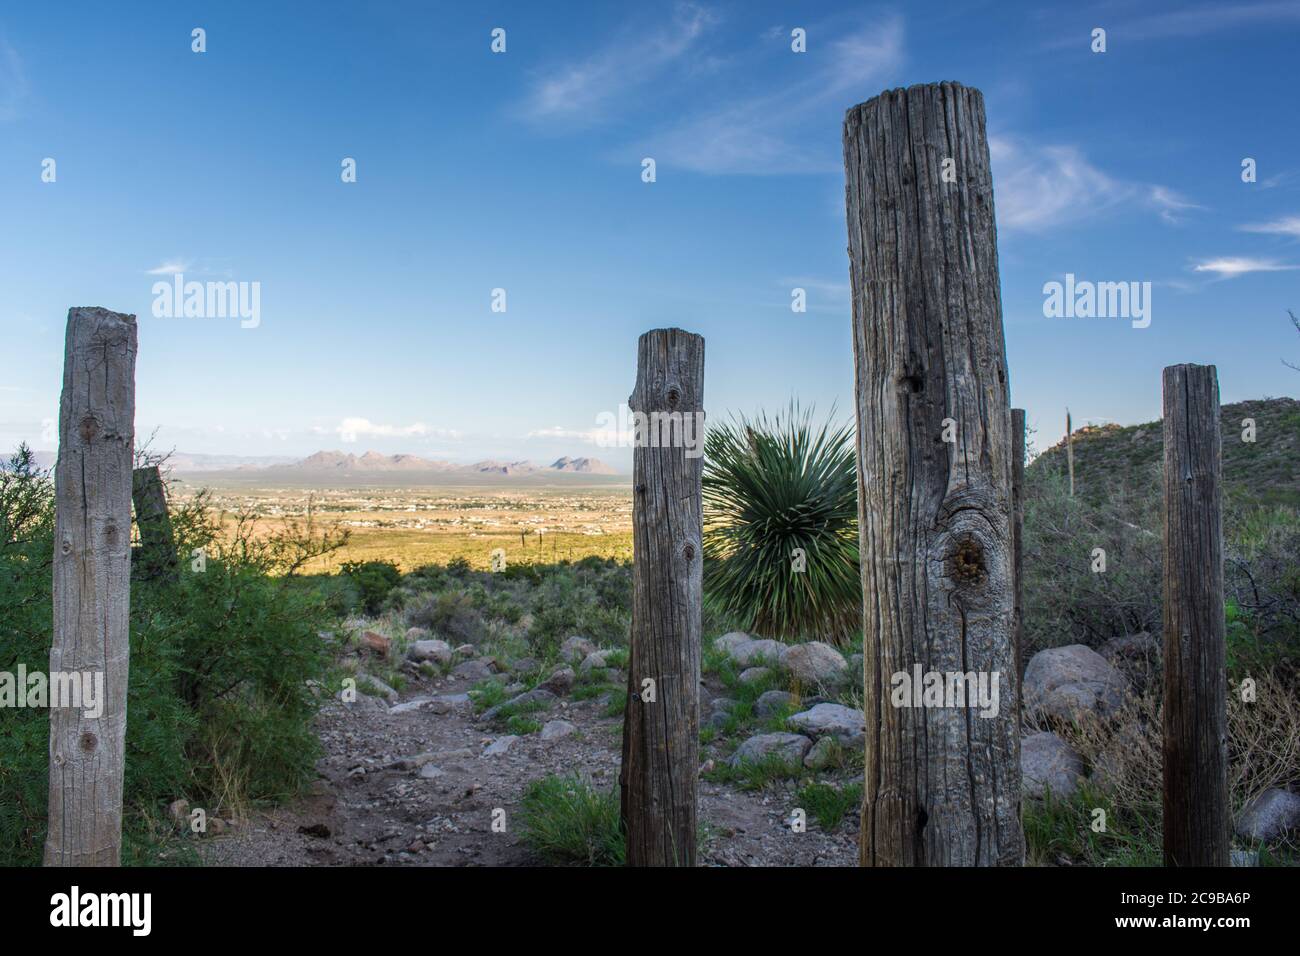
770,488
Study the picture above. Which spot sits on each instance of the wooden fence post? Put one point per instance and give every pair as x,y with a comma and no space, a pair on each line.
157,546
92,587
661,723
934,489
1196,682
1018,531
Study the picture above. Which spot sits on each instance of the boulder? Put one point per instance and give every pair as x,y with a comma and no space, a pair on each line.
788,747
525,665
1269,815
414,634
752,675
769,702
376,643
472,670
375,687
816,664
751,653
538,696
593,661
847,725
1071,682
439,652
575,649
465,651
727,641
560,682
500,746
822,754
555,729
1048,762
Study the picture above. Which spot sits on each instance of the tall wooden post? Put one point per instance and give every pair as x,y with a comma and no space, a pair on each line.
1196,813
1069,449
934,490
92,587
1018,531
157,546
661,725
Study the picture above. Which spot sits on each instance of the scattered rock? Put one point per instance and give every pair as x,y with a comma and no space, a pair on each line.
525,665
179,811
376,643
815,663
772,701
1070,682
1269,815
431,771
538,696
727,641
822,754
575,649
752,675
755,652
466,651
789,747
375,687
318,830
845,724
555,729
593,661
414,634
1141,646
1243,858
473,670
407,706
560,682
1048,762
500,746
439,652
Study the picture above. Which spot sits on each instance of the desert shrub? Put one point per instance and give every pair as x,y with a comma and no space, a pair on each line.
1066,602
373,579
773,489
218,705
449,614
567,820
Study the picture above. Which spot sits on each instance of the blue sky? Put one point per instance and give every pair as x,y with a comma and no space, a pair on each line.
522,171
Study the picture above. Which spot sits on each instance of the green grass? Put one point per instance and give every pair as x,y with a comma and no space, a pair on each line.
1056,828
566,820
756,774
828,803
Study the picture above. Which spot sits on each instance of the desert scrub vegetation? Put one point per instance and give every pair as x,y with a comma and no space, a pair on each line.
534,607
567,820
225,662
780,527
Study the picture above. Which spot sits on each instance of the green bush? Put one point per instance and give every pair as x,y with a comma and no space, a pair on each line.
567,820
772,490
374,580
219,702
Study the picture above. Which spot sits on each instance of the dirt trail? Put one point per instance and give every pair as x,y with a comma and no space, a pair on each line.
410,785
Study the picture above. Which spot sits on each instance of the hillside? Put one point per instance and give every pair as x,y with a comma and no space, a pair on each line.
1265,471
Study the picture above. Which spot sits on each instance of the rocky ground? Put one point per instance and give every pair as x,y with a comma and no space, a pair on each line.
417,779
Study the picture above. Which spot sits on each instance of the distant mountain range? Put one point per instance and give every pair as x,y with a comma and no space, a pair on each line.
372,462
337,462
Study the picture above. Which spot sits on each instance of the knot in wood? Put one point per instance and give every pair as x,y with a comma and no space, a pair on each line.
672,394
88,741
88,428
966,564
689,551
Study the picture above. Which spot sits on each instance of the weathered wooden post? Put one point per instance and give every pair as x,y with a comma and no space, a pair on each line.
661,724
1018,530
934,456
92,587
1196,812
1069,449
157,546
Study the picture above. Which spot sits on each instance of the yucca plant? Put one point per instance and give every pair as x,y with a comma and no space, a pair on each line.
775,490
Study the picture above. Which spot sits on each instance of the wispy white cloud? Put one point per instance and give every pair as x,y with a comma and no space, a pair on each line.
1046,187
170,267
1211,18
354,427
1286,226
590,436
579,93
766,133
1229,267
13,82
